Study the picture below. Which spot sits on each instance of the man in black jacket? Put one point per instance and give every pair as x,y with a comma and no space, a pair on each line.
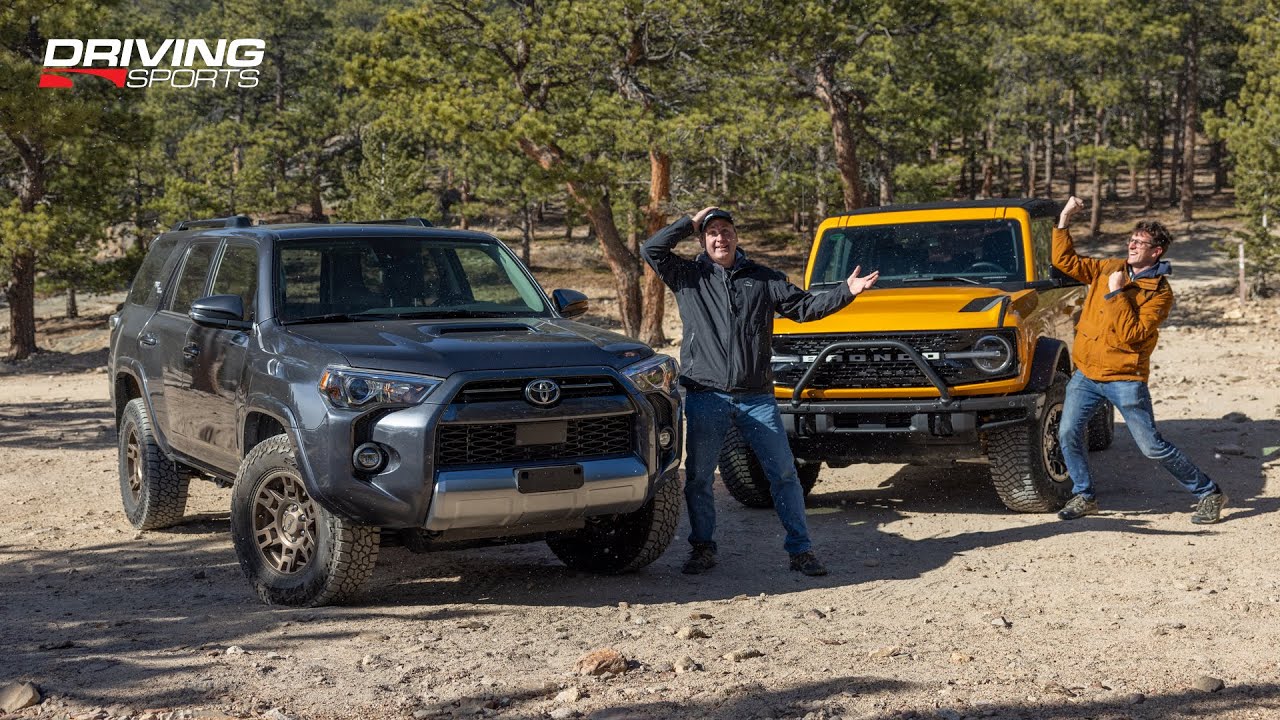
727,304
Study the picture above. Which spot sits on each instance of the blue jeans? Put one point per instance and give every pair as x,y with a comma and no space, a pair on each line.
1133,400
709,415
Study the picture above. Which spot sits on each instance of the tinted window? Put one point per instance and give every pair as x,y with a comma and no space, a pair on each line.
986,251
148,284
238,275
422,277
190,285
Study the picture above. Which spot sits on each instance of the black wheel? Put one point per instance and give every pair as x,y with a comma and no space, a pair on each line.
152,488
1026,461
614,544
745,478
1102,427
293,550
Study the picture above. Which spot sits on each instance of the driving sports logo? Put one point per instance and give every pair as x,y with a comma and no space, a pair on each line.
173,62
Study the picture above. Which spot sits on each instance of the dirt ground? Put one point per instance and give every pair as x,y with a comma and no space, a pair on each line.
940,603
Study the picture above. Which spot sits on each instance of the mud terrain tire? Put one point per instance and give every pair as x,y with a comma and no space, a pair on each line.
1102,427
293,550
152,488
745,478
1027,468
616,544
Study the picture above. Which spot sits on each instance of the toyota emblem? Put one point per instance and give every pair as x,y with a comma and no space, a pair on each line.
542,392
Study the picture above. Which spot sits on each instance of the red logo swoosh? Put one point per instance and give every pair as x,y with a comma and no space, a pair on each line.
53,77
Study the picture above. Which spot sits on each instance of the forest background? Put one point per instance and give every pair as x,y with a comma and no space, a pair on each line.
532,117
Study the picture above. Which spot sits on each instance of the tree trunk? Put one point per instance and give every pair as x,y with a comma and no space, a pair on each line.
73,308
1175,160
1217,161
1073,170
526,234
886,179
464,192
654,292
820,199
1029,169
1190,109
1048,159
20,294
988,160
843,136
1095,214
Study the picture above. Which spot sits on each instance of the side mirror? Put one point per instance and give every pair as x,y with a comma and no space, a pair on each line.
220,311
1061,279
570,303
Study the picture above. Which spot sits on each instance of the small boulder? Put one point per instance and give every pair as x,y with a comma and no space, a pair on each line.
15,696
740,655
601,661
1204,683
686,664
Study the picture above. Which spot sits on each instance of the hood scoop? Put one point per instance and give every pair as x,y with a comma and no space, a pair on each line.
477,328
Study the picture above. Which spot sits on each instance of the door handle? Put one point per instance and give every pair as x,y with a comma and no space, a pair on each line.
190,350
147,339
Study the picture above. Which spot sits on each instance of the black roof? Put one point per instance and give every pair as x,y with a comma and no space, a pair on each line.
1035,207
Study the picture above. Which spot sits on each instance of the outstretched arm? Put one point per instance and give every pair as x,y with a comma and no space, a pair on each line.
1084,269
796,304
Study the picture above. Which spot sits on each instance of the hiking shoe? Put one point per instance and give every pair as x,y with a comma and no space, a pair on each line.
701,559
1209,508
1078,507
808,563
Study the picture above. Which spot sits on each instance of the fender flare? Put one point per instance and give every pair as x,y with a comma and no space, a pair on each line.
1051,355
133,370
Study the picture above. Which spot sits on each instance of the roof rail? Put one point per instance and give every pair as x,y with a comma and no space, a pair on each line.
233,221
420,222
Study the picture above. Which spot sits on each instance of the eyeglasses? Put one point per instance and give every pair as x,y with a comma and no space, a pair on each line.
1141,243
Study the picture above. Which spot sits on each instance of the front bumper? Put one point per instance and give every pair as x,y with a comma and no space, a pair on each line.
911,431
413,491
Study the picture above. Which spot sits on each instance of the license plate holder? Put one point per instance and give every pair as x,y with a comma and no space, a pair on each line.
554,432
549,479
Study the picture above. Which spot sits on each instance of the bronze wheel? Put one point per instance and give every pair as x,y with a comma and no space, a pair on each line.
284,523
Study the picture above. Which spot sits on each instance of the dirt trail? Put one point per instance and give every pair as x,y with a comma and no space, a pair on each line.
940,603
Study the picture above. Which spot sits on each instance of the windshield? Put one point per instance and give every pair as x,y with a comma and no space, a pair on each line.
960,251
379,277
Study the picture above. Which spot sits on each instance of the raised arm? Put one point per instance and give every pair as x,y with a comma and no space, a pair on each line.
658,252
1084,269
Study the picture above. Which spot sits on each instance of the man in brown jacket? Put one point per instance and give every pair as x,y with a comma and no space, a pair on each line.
1127,301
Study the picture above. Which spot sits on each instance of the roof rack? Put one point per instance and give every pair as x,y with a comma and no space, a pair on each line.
420,222
233,221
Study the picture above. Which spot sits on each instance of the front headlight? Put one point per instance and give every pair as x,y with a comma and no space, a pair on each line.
357,389
992,354
656,373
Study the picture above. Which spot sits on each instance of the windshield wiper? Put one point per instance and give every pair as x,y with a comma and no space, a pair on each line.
425,314
939,278
336,317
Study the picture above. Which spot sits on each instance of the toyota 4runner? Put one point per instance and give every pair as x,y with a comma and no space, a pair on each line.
357,382
959,353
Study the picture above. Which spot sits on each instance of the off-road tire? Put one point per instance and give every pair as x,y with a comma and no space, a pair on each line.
1027,468
321,558
152,488
1102,427
744,477
616,544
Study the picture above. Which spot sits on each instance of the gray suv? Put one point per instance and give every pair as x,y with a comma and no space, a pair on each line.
359,383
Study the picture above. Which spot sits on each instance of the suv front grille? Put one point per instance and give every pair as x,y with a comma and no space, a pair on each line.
883,367
496,443
513,388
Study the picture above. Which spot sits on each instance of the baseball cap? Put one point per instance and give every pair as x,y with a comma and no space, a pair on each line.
714,214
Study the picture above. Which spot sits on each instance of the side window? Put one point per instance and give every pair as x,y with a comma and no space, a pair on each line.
1042,246
190,285
148,284
238,275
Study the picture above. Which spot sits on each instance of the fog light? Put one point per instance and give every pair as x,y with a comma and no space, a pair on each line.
368,457
665,437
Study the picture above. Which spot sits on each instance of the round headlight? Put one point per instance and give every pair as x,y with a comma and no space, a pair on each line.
992,354
360,390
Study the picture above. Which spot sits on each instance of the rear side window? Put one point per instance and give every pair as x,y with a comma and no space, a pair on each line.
238,275
195,269
148,284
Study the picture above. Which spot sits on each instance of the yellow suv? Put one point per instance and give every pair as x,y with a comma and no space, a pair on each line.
961,352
